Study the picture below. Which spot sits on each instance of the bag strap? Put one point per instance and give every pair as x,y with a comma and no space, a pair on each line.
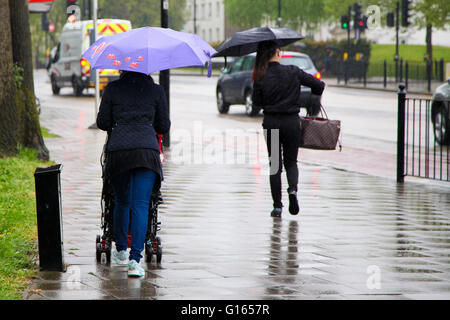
322,112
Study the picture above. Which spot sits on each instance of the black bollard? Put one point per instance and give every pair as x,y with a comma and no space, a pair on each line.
49,218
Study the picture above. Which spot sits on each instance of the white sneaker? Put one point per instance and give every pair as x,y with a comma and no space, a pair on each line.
134,269
120,257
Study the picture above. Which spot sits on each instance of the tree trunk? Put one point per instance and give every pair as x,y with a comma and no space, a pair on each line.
30,130
8,114
21,39
429,42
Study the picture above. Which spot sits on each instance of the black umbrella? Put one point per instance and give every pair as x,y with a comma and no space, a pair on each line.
245,42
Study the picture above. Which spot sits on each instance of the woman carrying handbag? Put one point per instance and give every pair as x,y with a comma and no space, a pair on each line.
276,89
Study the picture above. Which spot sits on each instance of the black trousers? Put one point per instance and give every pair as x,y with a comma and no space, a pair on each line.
282,133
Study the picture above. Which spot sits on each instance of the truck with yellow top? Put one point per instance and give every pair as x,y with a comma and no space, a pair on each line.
68,68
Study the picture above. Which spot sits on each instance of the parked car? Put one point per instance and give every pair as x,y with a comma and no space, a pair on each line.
235,85
440,113
67,68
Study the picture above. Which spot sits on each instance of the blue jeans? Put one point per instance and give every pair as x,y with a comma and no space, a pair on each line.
132,195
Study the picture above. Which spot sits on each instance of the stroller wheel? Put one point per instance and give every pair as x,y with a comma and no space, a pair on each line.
108,253
98,252
148,252
159,254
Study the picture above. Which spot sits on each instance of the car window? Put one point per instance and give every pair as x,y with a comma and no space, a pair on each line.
248,63
301,62
237,65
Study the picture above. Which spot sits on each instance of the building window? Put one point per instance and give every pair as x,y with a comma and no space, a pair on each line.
218,8
203,11
210,34
218,34
209,10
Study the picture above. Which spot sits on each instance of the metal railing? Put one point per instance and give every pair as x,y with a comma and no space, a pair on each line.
419,154
415,75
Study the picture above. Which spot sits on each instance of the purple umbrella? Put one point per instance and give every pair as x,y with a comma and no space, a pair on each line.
149,49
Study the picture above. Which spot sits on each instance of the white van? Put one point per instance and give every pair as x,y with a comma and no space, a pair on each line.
68,69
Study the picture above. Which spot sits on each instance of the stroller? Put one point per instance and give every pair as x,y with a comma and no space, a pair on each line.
104,241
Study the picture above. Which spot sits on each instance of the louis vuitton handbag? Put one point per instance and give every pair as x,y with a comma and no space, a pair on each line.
320,133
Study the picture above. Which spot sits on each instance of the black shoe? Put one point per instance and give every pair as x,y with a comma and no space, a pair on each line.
276,213
293,203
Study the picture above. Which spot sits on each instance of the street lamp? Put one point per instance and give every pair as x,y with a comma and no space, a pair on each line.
279,13
164,75
97,80
195,16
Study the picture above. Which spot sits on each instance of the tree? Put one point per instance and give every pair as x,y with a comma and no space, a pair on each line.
431,14
297,14
8,114
30,135
19,119
144,13
247,13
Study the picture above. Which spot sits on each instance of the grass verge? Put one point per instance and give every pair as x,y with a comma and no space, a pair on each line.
18,230
410,52
48,134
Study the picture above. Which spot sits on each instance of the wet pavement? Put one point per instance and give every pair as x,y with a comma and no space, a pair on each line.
358,236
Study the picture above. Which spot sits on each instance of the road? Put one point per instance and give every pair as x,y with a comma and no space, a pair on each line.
368,120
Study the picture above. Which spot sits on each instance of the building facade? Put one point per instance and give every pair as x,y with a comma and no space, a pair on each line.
206,18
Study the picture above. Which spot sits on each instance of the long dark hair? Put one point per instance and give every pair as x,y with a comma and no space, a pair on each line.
266,50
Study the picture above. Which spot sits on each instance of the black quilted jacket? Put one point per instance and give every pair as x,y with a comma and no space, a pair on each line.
278,91
133,109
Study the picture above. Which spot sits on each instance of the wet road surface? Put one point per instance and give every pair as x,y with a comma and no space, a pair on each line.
358,236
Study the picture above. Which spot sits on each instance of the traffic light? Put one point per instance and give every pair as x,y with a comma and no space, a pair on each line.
405,12
345,22
390,19
357,19
45,22
363,23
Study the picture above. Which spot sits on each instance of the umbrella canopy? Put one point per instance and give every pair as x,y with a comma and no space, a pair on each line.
245,42
149,49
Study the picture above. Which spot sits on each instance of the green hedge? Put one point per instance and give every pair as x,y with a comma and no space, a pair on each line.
317,50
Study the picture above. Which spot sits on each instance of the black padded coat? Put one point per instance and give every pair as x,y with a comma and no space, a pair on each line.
278,92
133,109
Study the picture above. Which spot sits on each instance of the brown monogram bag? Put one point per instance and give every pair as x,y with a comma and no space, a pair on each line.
319,133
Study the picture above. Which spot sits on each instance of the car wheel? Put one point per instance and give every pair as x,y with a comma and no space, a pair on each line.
55,88
441,126
250,109
77,88
222,106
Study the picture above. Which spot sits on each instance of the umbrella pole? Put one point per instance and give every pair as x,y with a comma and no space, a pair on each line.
164,75
97,80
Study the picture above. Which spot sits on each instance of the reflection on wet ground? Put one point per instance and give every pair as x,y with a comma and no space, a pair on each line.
356,237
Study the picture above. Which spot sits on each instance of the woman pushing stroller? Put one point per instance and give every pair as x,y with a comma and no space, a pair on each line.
133,109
